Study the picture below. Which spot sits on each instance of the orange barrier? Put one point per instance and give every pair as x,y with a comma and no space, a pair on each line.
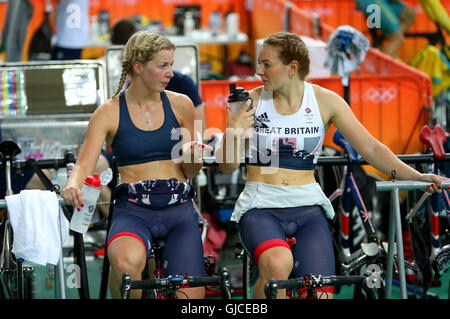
301,22
334,12
268,16
379,104
377,62
3,9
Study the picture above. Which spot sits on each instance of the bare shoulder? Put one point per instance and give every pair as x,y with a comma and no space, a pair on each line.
182,105
330,103
108,111
325,95
256,93
179,101
106,116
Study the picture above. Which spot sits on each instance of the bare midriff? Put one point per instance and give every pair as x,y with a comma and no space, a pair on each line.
151,170
279,176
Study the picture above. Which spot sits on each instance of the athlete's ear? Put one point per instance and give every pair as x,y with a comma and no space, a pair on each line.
293,67
138,67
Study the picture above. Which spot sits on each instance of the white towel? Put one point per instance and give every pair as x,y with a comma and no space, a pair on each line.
344,61
35,223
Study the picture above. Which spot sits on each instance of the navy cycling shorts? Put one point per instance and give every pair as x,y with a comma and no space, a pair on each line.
262,228
161,209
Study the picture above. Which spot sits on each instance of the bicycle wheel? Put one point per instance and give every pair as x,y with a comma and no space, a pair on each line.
9,265
441,262
7,261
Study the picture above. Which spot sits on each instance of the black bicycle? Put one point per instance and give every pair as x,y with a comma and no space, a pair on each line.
166,288
15,276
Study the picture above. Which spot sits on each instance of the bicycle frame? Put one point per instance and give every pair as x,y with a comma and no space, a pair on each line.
9,150
349,189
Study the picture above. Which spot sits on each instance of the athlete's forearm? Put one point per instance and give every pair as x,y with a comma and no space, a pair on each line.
383,159
77,176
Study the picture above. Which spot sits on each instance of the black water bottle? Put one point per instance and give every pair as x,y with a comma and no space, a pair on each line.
238,97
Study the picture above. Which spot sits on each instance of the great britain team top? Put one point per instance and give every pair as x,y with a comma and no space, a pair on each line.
289,141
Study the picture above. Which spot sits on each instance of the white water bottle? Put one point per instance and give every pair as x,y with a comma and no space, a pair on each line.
232,22
91,190
188,24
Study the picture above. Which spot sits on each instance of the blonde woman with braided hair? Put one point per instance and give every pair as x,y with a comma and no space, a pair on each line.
150,131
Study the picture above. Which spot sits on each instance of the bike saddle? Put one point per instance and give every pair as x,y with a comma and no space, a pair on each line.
340,140
434,138
8,150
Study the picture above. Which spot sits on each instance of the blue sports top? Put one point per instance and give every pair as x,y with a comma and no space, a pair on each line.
132,145
290,141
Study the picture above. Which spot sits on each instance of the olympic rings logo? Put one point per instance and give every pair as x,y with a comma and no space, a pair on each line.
381,94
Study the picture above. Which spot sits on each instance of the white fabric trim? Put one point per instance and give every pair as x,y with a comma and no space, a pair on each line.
260,195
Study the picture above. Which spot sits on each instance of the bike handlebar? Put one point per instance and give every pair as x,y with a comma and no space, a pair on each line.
177,282
55,163
183,282
315,281
310,281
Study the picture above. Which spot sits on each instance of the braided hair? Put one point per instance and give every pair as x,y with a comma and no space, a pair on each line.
142,47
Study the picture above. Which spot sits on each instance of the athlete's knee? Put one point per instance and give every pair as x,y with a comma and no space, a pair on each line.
127,259
276,262
191,293
127,263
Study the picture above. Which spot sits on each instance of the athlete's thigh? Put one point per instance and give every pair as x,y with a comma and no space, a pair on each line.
183,248
259,231
126,223
313,250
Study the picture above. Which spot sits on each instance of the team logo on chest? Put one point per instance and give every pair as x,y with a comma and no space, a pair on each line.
309,115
